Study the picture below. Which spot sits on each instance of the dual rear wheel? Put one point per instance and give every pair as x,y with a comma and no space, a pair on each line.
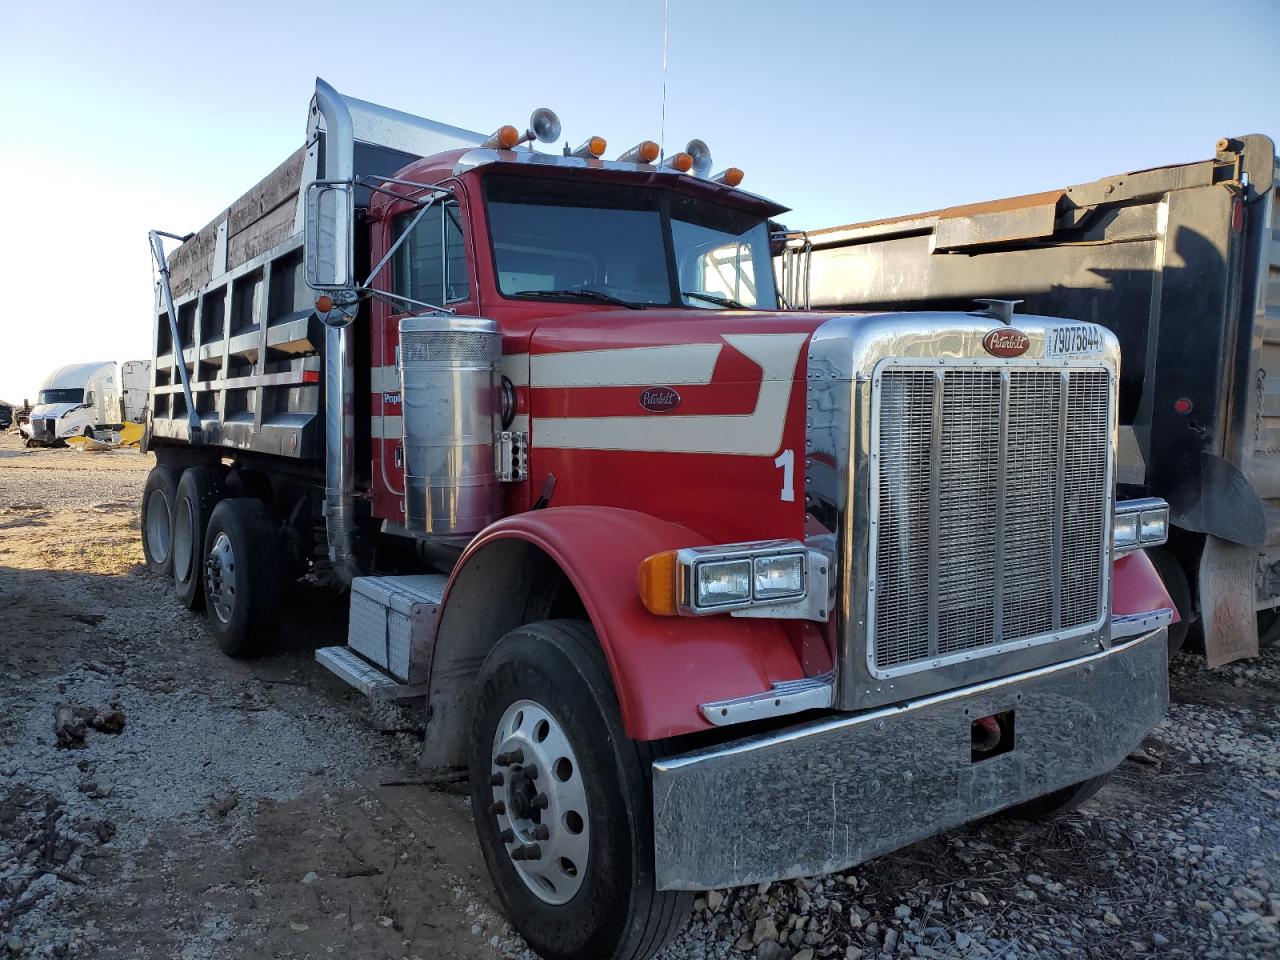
222,553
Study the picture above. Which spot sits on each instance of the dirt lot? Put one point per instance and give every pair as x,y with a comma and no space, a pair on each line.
260,809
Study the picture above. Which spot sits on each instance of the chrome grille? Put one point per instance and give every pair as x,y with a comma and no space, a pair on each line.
990,507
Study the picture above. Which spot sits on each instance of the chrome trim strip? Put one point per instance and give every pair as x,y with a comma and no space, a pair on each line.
1002,482
1132,624
1060,492
786,697
935,506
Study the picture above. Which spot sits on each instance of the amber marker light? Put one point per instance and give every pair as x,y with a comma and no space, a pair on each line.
656,581
681,162
591,149
730,177
324,303
504,138
646,151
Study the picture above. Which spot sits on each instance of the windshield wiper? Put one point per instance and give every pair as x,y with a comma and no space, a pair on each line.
712,298
582,293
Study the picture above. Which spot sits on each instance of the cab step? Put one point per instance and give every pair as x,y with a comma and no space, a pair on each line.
390,636
365,677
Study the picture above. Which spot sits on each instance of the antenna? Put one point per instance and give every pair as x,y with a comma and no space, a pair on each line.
662,127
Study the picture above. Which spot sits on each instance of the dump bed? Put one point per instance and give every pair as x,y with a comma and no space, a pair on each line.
1182,262
249,336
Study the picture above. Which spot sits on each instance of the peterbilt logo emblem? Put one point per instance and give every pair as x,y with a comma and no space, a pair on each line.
1006,342
659,399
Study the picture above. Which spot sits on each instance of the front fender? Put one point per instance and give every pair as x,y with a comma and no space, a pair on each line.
1136,587
663,667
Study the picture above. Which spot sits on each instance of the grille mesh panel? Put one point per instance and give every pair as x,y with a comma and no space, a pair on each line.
968,550
454,346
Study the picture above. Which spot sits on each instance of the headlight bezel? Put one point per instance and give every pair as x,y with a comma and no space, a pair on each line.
1148,520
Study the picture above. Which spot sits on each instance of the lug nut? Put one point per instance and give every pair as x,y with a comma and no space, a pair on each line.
498,807
530,851
539,802
497,780
507,836
507,759
542,832
529,771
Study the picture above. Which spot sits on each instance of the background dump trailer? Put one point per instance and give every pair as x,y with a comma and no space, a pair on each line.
135,390
615,532
1183,264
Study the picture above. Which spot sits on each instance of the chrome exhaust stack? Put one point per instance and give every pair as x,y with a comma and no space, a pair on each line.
339,441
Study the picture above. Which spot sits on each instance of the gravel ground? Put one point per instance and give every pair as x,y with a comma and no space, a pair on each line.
261,809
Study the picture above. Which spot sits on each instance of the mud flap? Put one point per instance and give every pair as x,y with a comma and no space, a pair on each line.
1227,601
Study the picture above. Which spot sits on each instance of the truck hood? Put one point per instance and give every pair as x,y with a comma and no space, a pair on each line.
684,333
45,411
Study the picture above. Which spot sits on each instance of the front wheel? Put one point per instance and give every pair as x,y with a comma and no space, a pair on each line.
242,576
1059,802
562,800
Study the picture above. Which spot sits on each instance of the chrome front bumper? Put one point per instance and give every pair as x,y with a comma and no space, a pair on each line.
823,796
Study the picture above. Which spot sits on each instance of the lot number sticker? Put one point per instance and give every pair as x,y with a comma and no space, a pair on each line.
1076,340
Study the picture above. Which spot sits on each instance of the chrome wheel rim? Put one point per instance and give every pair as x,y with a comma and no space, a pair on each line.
220,586
159,528
540,802
183,536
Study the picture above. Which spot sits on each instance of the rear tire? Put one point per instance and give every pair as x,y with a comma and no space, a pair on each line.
1268,627
199,491
1059,802
158,499
590,892
242,576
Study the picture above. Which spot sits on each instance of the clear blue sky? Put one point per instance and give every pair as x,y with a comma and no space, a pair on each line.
115,117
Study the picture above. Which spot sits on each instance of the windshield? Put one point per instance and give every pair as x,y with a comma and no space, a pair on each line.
62,396
574,241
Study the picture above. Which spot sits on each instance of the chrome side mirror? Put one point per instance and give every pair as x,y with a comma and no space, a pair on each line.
329,236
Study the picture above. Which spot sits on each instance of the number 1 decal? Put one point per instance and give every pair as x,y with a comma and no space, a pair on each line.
786,462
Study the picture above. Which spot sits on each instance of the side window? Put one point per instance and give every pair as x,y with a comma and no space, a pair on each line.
431,266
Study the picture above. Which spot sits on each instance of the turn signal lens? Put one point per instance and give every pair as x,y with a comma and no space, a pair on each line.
656,581
504,138
646,151
679,161
730,177
324,303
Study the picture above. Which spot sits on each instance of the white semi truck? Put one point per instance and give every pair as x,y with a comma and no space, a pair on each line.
87,400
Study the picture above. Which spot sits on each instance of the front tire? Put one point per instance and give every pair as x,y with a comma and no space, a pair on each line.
158,499
242,576
556,781
199,491
1059,802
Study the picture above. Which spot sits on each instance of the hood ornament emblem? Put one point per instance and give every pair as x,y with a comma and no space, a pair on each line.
1006,342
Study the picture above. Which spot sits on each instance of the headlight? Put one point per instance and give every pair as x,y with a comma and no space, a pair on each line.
719,584
1155,526
779,578
1126,530
1140,523
764,578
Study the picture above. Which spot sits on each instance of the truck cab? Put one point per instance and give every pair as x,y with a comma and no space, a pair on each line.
701,592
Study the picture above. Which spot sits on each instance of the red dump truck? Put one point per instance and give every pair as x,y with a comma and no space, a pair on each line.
700,591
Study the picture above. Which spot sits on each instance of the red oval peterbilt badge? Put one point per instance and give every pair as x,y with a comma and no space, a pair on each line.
659,399
1006,342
